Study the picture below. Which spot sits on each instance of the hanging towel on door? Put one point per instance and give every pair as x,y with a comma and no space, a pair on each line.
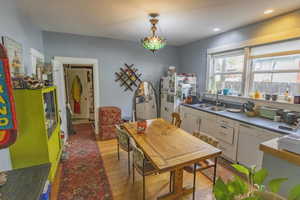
76,93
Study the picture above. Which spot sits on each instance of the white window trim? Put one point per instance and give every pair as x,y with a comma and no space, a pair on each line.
248,73
229,53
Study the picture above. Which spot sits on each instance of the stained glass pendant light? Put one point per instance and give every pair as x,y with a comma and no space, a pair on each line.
153,42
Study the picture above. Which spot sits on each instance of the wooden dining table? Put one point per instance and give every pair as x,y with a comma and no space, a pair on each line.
171,149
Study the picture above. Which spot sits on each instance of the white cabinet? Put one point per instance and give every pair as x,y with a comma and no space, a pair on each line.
250,138
222,129
227,135
190,119
239,142
208,124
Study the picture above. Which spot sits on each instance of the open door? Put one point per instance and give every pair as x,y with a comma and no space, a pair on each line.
79,92
58,79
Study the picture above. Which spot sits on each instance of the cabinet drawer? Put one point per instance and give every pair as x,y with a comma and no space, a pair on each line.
225,133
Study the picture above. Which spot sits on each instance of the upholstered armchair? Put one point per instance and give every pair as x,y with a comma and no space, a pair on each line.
108,118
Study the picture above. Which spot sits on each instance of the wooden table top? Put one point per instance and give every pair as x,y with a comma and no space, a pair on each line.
168,146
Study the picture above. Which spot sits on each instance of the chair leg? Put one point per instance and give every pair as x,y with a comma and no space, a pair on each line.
144,188
133,174
118,151
171,181
128,163
194,182
215,170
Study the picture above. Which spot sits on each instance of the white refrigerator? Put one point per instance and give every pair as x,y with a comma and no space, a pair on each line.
174,89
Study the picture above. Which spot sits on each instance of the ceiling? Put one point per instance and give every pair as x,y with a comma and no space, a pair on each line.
181,21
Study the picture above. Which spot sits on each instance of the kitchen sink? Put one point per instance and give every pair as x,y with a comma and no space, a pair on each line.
217,108
204,105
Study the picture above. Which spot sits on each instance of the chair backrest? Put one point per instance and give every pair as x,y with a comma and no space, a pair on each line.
176,121
207,139
122,135
138,156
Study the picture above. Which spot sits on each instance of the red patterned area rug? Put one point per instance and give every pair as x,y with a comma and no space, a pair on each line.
83,175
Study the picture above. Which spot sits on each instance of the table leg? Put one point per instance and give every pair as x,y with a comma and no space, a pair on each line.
178,189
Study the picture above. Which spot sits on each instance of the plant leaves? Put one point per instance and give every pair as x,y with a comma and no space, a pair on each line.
251,198
275,184
237,187
241,169
220,190
294,194
260,176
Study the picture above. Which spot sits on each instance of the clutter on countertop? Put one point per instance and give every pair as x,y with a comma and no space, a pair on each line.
267,112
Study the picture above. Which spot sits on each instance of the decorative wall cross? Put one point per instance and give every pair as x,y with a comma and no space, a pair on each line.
128,77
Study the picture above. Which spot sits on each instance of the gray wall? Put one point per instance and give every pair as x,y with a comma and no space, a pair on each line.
111,55
193,56
17,25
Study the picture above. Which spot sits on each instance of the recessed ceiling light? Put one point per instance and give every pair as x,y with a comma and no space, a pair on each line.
269,11
216,29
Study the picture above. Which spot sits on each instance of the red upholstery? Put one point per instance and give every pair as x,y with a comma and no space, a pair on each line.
109,115
108,118
107,132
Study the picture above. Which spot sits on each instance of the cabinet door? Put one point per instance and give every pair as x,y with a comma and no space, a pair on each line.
190,122
208,126
248,145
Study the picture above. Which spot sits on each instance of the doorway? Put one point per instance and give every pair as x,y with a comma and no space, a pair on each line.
59,80
79,89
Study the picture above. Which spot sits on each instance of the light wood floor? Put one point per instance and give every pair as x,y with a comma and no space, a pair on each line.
156,185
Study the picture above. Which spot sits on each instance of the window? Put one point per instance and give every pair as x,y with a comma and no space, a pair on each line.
272,69
276,75
227,72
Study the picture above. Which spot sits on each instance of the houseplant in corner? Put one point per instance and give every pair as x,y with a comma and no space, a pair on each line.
253,188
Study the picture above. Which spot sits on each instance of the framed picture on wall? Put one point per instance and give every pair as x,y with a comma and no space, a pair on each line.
15,55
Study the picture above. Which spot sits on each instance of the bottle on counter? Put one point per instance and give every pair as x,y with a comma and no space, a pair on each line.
257,95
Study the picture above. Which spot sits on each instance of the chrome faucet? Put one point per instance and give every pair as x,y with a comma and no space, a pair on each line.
218,102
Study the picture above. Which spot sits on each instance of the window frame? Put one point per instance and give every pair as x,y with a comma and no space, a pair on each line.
211,67
248,68
273,71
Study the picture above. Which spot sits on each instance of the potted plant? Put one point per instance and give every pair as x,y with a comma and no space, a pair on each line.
253,188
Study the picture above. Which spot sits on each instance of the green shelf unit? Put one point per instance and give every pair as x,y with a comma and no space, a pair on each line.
38,142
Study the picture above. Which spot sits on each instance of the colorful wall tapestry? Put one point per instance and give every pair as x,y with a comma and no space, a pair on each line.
8,123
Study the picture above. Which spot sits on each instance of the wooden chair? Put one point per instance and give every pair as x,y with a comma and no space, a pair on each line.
123,140
203,165
176,121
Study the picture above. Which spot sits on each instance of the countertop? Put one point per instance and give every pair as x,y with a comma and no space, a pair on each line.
25,184
271,147
241,117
